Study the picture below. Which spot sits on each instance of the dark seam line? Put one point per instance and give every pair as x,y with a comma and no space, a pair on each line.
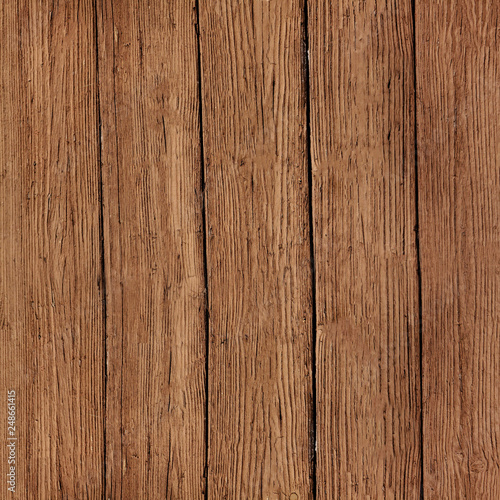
313,438
205,235
118,186
417,244
101,243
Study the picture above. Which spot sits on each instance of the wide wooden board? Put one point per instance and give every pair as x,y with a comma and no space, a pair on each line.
51,302
153,233
458,95
363,208
259,269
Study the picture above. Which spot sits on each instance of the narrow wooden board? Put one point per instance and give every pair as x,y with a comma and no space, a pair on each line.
52,321
363,207
259,272
13,340
458,90
153,233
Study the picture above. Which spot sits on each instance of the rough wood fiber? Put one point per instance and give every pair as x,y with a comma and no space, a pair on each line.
254,123
52,314
363,202
458,76
12,341
153,235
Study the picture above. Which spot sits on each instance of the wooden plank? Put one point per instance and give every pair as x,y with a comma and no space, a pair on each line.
459,197
155,431
12,340
51,299
363,203
254,127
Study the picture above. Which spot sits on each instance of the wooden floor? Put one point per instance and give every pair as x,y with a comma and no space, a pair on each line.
250,249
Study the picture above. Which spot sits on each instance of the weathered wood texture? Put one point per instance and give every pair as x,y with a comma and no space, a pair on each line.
458,91
12,339
154,186
363,207
153,233
259,272
52,295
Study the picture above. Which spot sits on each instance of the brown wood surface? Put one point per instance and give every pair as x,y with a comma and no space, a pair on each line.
250,250
363,206
259,272
12,340
155,431
52,322
458,92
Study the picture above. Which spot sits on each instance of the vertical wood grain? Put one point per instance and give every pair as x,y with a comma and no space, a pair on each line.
153,233
458,76
259,273
12,337
363,203
53,308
